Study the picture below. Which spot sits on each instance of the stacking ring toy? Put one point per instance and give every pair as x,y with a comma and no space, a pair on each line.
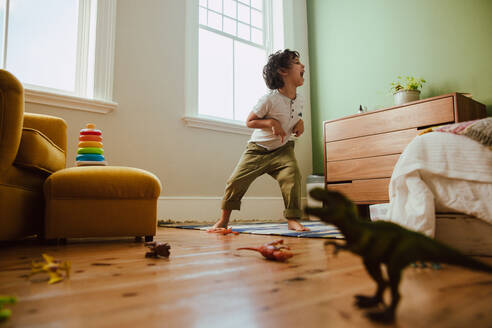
94,144
89,137
90,151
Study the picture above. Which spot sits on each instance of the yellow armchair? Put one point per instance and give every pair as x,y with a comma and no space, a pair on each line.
32,146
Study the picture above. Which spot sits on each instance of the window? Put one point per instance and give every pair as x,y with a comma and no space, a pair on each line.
233,39
53,47
232,49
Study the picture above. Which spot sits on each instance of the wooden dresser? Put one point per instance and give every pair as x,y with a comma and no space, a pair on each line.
361,150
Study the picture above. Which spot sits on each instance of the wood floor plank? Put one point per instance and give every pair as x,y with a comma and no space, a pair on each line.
206,282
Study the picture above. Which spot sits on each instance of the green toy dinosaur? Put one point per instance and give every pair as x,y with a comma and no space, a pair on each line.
383,242
6,313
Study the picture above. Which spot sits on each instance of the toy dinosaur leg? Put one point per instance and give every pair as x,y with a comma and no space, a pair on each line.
388,315
5,314
374,270
35,269
337,246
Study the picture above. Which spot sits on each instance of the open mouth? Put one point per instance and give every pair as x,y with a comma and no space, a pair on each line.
302,74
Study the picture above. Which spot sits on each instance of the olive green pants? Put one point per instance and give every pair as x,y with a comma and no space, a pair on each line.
280,163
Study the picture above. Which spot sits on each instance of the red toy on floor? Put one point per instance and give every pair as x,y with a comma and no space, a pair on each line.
223,231
272,252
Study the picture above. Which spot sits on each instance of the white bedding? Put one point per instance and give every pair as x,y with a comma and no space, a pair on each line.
441,172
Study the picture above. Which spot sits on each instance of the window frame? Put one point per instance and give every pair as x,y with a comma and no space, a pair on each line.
192,118
99,99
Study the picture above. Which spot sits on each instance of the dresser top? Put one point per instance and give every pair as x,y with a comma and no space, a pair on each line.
453,94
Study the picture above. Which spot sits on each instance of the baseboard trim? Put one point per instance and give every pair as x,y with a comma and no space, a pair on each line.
207,209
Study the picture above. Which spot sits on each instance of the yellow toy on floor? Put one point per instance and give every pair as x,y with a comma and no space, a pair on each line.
53,267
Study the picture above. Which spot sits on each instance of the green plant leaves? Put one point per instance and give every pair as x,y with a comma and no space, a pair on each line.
406,83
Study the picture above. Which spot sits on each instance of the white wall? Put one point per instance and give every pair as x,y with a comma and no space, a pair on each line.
146,130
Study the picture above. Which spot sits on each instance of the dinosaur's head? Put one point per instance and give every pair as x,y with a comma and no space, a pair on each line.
336,207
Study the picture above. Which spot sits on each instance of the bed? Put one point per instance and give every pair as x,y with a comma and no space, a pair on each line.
449,174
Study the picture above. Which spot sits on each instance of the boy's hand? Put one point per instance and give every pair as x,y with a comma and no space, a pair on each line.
298,128
277,130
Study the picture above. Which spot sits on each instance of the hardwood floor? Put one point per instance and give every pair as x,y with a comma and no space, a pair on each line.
206,282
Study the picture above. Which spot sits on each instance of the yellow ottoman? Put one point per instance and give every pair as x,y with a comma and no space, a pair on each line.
101,201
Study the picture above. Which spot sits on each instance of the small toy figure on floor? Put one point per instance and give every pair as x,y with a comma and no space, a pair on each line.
383,242
6,313
157,249
53,267
272,252
222,231
90,150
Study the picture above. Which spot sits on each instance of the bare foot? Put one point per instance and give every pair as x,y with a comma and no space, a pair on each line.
294,225
223,221
221,224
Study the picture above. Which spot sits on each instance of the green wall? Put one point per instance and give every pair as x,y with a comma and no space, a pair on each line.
358,47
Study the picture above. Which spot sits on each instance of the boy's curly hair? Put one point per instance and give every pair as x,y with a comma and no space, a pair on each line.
276,61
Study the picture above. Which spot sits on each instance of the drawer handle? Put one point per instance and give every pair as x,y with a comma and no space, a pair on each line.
339,182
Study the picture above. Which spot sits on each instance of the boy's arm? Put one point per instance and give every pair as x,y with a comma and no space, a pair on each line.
298,128
255,122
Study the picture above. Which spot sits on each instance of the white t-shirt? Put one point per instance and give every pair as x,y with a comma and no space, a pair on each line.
285,110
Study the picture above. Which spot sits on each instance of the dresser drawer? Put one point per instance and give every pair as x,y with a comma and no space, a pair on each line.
364,191
370,146
361,168
426,113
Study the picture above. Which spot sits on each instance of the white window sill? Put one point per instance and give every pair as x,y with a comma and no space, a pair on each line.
217,124
69,102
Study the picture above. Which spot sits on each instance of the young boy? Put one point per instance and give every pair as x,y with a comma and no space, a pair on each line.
275,118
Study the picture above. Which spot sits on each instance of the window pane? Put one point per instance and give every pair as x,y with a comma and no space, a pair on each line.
215,5
215,81
243,31
230,8
243,13
249,83
214,21
244,1
203,3
256,18
258,4
257,36
42,42
229,26
203,16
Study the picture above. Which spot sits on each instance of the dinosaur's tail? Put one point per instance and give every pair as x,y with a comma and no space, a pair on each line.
249,249
440,252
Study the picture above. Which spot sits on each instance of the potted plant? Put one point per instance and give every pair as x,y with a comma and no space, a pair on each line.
406,89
